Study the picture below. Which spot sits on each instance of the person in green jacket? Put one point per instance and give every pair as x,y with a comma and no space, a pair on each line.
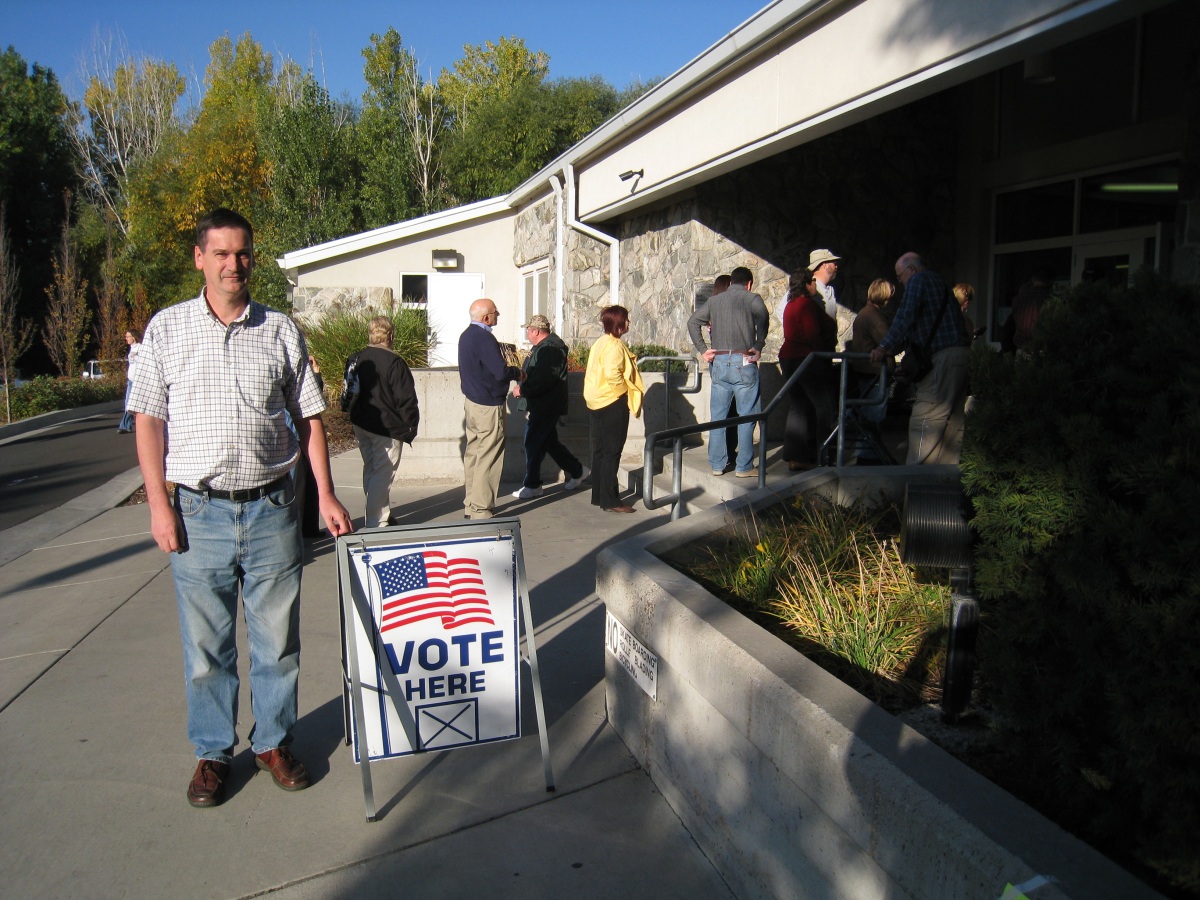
544,394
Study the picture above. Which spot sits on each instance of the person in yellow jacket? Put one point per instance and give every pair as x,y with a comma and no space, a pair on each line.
612,389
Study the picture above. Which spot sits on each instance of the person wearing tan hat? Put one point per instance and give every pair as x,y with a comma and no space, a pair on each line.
544,394
824,266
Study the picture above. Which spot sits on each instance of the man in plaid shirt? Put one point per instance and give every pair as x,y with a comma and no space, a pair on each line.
219,379
929,316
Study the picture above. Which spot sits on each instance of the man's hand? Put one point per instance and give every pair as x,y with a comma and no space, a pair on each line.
336,517
877,356
517,390
753,356
166,527
709,355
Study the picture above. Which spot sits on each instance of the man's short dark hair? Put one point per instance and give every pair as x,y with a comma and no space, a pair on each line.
721,281
741,275
221,218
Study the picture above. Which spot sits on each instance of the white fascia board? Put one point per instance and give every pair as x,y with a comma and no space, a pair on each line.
764,25
391,233
971,62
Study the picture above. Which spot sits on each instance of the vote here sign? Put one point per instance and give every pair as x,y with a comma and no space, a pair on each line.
444,624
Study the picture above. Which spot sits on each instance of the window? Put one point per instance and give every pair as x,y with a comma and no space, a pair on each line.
535,292
414,290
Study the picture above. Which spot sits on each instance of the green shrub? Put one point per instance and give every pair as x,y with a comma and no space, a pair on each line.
640,350
1082,462
45,394
341,333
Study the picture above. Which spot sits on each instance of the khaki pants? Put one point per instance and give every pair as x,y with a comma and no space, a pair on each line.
935,427
381,461
483,461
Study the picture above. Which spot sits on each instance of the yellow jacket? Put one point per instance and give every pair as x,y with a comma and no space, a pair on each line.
611,372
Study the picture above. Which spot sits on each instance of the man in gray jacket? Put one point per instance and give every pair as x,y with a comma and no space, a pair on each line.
544,394
739,321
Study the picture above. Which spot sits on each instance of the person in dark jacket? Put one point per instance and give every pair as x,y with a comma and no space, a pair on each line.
385,417
484,377
544,394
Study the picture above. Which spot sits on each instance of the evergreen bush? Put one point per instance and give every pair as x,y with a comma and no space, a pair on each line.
1082,462
45,394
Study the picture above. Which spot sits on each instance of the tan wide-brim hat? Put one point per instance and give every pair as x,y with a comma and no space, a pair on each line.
820,256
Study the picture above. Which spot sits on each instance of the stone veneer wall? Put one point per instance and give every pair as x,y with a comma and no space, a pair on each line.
869,192
311,304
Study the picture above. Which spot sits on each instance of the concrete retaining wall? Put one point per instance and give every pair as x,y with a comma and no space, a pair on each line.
794,784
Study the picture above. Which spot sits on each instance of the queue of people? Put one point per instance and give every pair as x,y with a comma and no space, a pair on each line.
729,330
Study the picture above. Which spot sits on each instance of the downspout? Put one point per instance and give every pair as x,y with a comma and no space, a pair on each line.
614,244
560,262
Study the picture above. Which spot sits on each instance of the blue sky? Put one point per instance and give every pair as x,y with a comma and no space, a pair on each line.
622,40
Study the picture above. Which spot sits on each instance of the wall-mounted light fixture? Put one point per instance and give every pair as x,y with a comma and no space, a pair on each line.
1039,69
445,259
633,173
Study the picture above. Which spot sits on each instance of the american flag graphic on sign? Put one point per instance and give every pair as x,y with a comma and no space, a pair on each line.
430,585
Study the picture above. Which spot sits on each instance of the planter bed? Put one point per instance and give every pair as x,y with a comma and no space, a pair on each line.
793,783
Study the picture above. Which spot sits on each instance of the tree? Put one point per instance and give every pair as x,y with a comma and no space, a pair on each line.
36,166
307,140
112,317
16,334
67,316
492,72
513,135
385,139
219,161
130,109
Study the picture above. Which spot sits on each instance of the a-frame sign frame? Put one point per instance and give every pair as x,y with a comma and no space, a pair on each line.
432,618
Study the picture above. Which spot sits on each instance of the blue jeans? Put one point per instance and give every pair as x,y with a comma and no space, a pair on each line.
541,437
126,423
254,546
732,381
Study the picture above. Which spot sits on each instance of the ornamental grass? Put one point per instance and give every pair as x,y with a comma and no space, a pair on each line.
829,580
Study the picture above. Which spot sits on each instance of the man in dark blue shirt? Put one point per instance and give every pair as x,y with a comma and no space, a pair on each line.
928,316
484,378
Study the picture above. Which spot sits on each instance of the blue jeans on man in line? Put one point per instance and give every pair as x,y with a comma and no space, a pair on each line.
733,381
255,546
541,437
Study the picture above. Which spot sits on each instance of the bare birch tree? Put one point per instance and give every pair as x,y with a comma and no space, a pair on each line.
15,334
128,111
425,119
67,315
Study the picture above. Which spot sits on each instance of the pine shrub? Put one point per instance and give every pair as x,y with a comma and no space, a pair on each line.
1082,462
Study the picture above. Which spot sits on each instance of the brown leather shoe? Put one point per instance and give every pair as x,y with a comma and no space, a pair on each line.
208,783
620,509
289,773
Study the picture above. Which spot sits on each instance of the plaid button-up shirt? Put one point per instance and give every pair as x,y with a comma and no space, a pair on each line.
225,392
924,298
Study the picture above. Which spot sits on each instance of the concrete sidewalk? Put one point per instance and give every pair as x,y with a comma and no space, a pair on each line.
96,759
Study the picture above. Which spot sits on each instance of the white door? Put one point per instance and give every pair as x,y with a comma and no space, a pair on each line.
450,297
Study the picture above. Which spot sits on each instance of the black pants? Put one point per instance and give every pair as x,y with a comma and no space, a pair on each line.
610,426
810,409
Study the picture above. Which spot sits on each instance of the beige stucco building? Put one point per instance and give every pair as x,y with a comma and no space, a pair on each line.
993,138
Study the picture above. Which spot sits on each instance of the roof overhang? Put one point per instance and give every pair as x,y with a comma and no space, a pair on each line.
390,234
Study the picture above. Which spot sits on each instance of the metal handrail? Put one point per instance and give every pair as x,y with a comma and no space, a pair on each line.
692,386
677,435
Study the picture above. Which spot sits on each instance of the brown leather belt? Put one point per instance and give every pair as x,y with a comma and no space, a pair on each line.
245,496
